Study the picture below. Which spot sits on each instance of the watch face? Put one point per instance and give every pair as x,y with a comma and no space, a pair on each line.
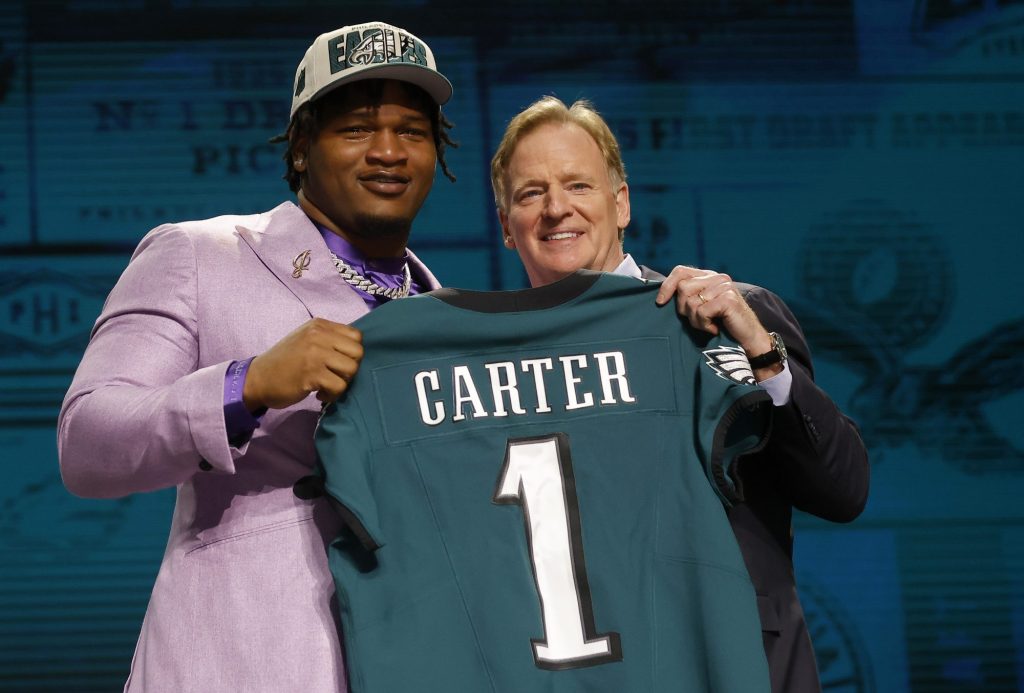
779,345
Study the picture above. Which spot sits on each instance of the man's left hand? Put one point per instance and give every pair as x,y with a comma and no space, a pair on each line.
710,301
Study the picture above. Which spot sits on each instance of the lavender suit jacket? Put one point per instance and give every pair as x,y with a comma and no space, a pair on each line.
243,600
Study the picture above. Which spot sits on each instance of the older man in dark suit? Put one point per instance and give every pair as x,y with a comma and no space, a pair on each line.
563,202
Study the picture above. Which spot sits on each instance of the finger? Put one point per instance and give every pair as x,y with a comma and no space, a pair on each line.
679,274
330,388
693,293
349,347
335,330
711,292
705,319
346,332
329,396
700,309
666,291
709,288
341,365
349,332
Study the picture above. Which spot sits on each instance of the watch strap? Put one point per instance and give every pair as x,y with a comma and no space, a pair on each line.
776,355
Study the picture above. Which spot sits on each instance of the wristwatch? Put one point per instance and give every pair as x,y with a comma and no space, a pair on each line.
776,355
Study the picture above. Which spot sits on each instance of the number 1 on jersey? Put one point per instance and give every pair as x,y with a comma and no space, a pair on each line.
537,475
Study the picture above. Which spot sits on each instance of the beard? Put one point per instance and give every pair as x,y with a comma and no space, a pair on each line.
367,226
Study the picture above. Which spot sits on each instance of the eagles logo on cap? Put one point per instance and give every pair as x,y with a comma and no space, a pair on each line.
367,51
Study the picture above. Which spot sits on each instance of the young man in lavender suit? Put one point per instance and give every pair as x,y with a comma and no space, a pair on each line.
209,362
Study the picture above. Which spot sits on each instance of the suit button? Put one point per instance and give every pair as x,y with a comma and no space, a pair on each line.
811,427
205,466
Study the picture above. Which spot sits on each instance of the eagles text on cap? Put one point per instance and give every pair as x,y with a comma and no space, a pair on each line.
367,51
356,48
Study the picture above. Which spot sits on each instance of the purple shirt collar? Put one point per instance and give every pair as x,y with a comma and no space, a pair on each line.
385,271
355,257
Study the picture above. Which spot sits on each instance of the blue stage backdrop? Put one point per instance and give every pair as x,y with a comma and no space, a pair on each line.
863,158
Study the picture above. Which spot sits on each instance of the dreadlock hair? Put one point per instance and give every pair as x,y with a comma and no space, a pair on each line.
307,121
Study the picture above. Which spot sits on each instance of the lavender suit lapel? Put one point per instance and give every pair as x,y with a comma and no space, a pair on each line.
288,244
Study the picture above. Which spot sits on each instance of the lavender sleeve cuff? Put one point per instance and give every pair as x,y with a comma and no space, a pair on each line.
779,386
239,422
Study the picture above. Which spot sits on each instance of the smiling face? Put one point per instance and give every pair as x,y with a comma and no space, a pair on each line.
369,167
564,213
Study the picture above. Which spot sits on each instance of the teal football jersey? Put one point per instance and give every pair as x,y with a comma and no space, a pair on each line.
532,484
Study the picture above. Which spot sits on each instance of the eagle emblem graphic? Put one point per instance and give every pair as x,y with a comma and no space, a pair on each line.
730,363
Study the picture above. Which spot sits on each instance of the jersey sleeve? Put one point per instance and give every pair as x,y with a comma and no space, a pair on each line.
733,414
343,448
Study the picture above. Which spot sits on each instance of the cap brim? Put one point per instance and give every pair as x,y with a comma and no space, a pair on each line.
434,83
